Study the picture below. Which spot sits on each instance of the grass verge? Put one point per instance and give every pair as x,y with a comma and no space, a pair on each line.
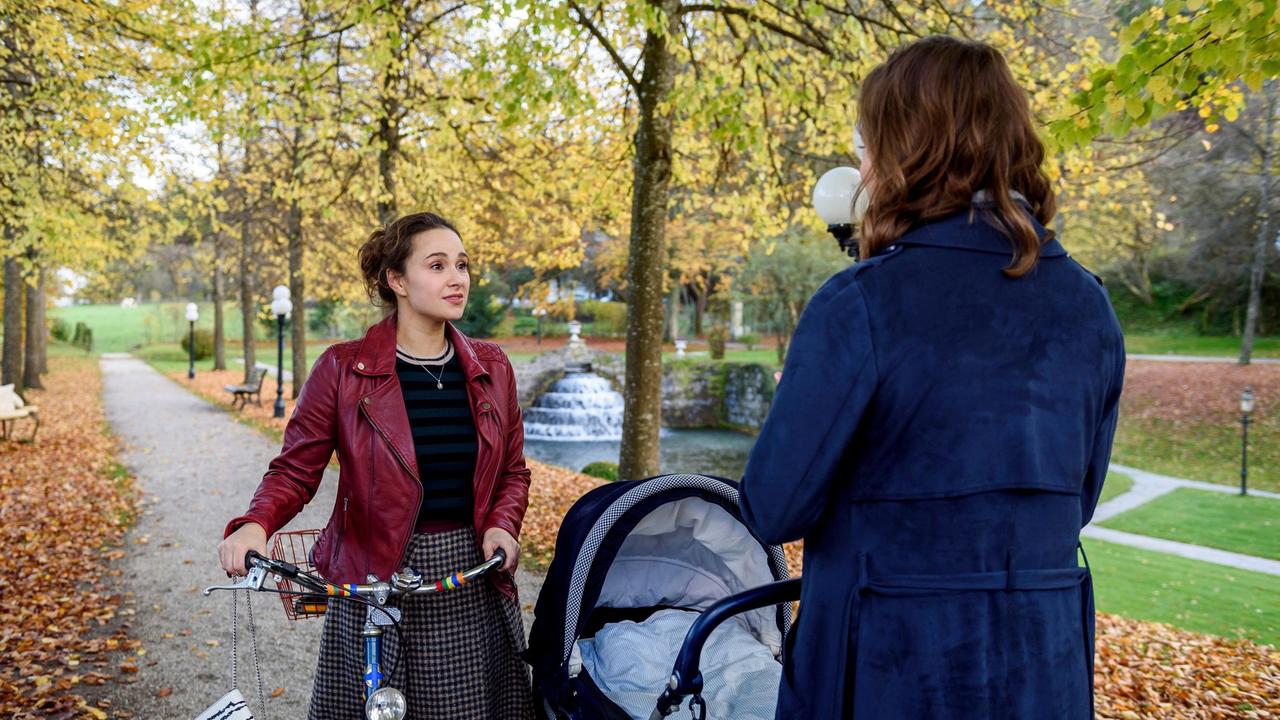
1117,483
1200,451
1248,525
1189,594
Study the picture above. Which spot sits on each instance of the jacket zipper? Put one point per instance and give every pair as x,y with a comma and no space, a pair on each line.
404,545
342,531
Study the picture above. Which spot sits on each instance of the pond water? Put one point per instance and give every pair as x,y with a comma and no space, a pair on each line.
702,452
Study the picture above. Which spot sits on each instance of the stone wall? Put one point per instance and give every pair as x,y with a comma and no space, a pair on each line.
748,395
695,394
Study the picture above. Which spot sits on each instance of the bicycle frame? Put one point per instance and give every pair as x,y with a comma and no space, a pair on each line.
374,594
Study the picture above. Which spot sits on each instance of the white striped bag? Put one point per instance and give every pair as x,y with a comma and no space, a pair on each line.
231,707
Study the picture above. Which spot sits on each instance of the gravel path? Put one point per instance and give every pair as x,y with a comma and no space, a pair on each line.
197,467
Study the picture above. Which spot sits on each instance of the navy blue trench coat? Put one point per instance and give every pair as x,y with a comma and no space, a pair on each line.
939,438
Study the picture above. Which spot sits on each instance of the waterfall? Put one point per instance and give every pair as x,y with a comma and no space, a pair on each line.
579,406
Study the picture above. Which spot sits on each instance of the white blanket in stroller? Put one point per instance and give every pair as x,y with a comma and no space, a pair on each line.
631,662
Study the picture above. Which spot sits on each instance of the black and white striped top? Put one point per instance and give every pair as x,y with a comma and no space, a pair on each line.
444,434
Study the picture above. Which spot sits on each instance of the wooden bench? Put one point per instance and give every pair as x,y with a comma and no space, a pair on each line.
253,389
12,409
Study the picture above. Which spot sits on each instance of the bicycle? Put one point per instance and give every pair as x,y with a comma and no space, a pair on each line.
382,702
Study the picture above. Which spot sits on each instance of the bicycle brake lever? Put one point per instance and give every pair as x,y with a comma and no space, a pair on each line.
252,581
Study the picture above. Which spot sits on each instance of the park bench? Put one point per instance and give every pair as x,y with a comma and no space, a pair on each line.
253,388
13,409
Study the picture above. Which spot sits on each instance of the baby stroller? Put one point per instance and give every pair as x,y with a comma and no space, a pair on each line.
654,574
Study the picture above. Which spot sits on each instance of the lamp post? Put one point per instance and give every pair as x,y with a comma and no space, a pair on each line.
193,314
833,199
1246,409
539,312
281,306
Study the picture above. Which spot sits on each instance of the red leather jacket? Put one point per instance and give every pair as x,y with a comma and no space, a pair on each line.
352,403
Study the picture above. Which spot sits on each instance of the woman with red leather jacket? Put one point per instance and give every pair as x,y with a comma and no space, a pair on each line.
430,440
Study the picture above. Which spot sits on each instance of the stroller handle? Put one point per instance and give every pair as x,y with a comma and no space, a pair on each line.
686,679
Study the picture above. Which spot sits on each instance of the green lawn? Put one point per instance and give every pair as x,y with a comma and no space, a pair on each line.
1202,451
171,357
1189,594
119,329
1180,344
1115,484
1249,525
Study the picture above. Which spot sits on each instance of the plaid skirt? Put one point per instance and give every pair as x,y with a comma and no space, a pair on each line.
462,648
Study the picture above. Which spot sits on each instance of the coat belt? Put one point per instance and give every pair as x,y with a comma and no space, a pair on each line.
1007,579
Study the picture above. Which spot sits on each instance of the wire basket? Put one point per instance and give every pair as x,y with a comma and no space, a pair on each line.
295,547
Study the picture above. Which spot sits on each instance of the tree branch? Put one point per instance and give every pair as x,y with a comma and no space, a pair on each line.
751,17
585,22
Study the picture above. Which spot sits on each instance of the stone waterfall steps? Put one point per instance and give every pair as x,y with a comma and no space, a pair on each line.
579,406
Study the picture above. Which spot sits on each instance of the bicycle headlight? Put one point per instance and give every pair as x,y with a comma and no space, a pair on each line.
385,704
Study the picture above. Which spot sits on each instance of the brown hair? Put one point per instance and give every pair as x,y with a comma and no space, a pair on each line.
943,118
387,248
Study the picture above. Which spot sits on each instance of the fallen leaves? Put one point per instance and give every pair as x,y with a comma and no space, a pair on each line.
1150,671
1192,393
64,514
210,384
552,491
1183,419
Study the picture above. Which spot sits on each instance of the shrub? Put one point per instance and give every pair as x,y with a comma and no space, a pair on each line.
83,337
483,314
608,319
602,469
204,343
716,336
60,330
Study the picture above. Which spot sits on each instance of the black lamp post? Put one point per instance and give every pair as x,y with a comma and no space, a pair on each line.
281,306
833,198
193,314
1246,410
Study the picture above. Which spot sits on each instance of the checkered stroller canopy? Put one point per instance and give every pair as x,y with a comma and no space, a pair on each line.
627,549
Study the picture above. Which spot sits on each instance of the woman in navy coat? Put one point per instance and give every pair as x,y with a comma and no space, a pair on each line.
944,421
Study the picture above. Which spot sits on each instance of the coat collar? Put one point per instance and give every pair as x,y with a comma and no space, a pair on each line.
967,230
377,353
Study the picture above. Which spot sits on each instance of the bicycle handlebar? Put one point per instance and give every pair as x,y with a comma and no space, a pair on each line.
405,582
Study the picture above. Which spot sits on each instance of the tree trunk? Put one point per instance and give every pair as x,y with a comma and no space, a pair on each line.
297,289
1264,234
219,296
297,280
699,311
42,286
673,305
388,151
11,359
219,276
248,308
35,331
642,389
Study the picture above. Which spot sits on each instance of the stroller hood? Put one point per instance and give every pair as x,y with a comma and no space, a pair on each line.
667,541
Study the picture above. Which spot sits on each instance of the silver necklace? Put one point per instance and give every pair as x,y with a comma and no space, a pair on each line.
438,378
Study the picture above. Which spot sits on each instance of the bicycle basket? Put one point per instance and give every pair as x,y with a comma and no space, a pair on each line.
295,547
